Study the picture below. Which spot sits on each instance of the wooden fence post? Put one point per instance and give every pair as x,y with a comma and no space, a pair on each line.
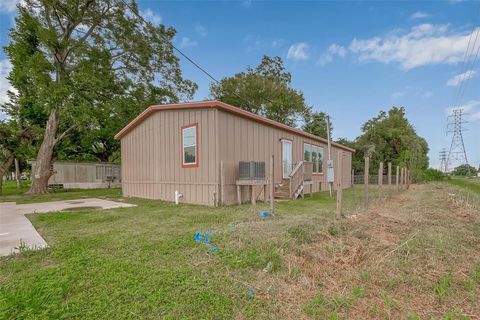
402,177
339,175
353,178
397,177
380,174
380,179
222,184
366,178
408,179
389,174
272,182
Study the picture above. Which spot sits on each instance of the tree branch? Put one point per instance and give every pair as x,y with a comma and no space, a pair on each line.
64,133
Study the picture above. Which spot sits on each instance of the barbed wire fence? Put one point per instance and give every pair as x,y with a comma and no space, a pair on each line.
371,187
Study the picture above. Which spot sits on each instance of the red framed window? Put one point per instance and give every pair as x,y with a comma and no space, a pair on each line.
190,146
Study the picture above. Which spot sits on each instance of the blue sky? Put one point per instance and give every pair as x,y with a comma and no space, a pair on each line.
351,59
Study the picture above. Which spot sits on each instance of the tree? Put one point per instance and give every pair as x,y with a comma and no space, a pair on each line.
80,55
265,90
15,143
390,137
464,170
316,123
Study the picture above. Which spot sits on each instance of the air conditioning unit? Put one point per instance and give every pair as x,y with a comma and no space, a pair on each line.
251,170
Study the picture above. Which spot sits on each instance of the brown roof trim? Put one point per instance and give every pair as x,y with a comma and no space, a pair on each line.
225,107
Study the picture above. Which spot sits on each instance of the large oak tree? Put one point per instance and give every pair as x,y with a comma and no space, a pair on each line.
265,90
78,56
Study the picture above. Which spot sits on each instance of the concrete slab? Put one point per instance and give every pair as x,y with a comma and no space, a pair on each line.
15,228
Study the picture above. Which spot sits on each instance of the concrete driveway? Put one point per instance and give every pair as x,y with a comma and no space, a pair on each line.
15,228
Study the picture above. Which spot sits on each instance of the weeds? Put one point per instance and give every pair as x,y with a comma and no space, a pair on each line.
443,286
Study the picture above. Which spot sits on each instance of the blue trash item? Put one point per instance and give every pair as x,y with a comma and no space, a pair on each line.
212,249
206,240
250,293
198,236
264,214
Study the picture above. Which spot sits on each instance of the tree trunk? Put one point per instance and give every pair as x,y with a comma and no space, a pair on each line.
4,166
41,171
17,173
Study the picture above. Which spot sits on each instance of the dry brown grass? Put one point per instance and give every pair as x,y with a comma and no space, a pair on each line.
412,257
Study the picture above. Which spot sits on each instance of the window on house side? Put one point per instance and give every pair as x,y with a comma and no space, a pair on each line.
189,143
315,155
307,152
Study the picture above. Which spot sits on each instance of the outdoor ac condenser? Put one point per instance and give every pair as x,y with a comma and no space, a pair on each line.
251,170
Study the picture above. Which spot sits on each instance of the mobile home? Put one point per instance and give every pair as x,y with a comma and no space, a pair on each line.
194,151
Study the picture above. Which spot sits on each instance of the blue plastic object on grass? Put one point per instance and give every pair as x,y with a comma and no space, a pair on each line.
264,214
198,236
250,293
206,240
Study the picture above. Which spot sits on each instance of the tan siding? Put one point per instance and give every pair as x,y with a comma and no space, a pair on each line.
245,140
152,158
152,155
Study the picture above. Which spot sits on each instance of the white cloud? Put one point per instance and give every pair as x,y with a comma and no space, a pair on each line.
5,68
151,16
469,106
427,94
475,116
186,42
419,15
201,30
459,78
255,43
298,51
8,5
425,44
332,51
412,92
398,94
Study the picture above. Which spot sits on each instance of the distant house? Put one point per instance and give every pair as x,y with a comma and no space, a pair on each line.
195,149
83,175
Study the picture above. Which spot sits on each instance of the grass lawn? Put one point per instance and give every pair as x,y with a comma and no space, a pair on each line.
406,257
472,184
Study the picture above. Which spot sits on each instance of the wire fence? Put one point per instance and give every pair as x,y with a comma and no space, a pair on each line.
372,189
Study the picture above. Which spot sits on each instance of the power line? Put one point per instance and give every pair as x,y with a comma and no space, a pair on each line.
171,44
443,160
466,76
457,150
187,57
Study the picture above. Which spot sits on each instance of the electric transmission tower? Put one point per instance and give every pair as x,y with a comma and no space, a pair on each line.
457,153
443,160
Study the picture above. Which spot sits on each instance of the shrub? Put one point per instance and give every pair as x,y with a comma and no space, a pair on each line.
432,175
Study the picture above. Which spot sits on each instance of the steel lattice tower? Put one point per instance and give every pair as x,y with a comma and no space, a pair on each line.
457,153
443,160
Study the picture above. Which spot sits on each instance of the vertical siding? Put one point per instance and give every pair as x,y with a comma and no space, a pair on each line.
152,157
241,139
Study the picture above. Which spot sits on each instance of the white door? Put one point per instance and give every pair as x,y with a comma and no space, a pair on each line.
287,158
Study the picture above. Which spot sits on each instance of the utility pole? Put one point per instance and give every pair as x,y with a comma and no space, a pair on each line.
457,153
443,160
330,176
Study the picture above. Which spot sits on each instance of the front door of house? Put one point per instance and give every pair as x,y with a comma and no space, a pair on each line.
286,158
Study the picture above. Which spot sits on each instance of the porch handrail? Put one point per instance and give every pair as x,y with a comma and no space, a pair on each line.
296,178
